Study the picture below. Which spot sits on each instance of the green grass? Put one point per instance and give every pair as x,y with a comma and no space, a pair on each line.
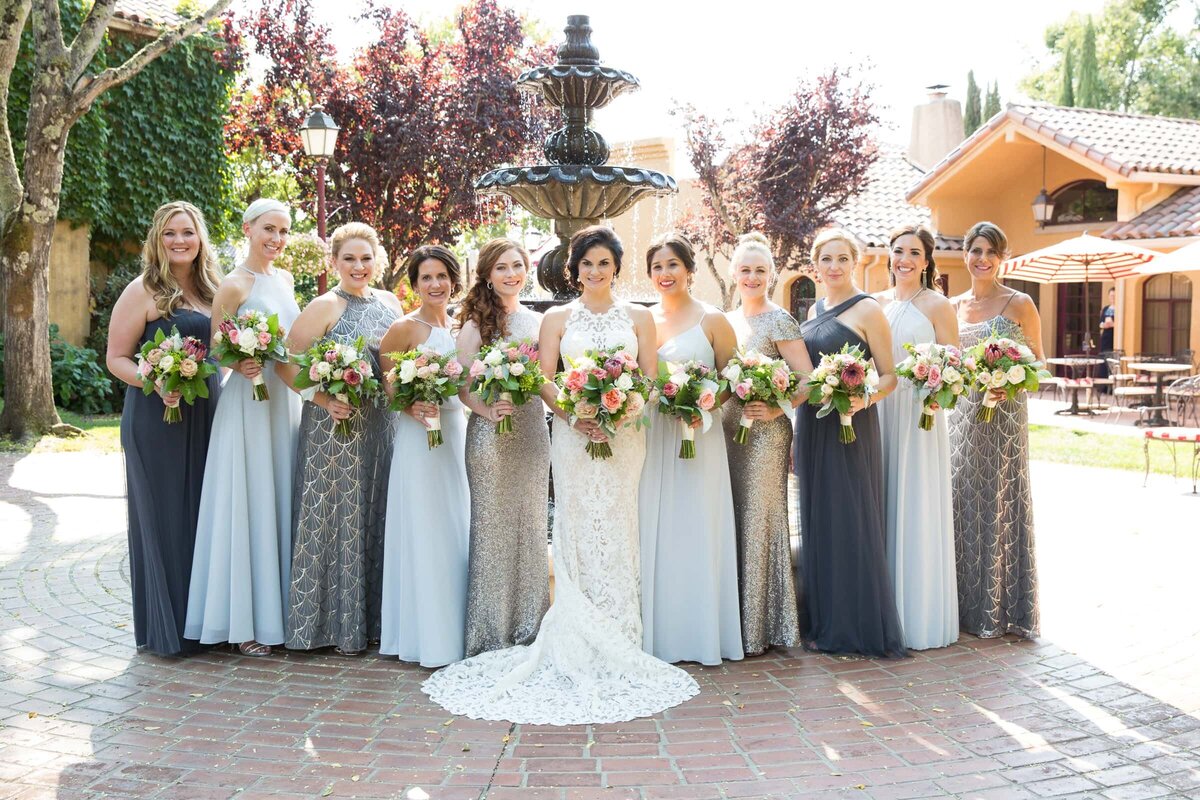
1083,448
102,434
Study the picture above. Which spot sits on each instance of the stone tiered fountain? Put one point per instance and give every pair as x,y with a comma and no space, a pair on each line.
577,188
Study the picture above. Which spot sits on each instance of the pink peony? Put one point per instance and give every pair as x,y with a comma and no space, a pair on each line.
853,375
585,410
145,369
352,377
599,374
669,389
576,378
477,368
743,389
612,400
453,369
627,357
364,368
707,400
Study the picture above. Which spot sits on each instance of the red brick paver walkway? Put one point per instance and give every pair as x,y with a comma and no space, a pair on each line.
1105,706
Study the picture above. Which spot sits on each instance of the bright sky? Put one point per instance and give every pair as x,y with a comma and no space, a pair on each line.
750,53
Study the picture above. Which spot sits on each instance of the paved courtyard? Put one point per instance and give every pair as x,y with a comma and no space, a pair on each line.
1106,705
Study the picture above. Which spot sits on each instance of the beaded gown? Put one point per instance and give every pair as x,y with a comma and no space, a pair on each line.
425,536
758,472
508,588
689,555
920,518
164,470
338,499
586,664
847,604
993,507
242,563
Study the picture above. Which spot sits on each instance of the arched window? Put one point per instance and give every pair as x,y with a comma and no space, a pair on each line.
802,295
1084,201
1166,314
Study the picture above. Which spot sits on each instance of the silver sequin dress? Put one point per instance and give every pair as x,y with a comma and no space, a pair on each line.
338,501
993,507
508,588
758,471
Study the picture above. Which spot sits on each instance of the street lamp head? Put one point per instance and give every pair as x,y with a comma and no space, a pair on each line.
1043,208
319,133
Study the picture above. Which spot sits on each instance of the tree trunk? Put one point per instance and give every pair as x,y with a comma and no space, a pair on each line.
25,261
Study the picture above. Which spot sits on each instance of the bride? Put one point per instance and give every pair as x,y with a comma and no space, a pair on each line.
587,664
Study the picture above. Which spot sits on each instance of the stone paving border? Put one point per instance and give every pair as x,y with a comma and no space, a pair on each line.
84,717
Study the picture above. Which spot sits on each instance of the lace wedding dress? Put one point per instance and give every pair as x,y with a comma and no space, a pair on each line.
586,665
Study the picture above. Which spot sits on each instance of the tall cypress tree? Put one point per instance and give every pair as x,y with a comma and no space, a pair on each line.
972,118
1089,70
992,107
1066,95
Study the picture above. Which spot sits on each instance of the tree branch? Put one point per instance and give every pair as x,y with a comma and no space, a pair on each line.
91,35
88,88
47,31
12,21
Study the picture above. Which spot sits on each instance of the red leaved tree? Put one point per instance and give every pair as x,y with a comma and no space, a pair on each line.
799,166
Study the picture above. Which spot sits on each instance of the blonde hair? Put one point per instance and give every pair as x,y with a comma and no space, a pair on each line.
363,231
156,264
753,243
263,205
836,235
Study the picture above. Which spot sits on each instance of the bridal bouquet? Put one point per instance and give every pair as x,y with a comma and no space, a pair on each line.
754,377
507,371
341,370
839,377
606,386
174,363
688,391
251,334
426,375
1004,364
941,375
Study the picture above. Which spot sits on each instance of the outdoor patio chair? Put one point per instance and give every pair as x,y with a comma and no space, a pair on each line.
1133,398
1174,436
1183,396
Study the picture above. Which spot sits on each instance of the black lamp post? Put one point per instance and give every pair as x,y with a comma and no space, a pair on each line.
319,134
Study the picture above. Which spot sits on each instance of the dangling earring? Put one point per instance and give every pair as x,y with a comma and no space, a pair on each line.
490,287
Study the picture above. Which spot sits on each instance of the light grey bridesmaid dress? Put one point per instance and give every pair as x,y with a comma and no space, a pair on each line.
242,562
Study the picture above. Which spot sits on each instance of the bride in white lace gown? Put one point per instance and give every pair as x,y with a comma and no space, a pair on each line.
586,665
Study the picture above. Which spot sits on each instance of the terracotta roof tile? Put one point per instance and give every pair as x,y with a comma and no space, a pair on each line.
149,12
1178,215
880,206
1122,143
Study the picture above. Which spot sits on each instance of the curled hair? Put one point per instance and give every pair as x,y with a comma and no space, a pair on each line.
991,234
482,305
156,264
412,267
929,275
262,206
752,243
836,235
363,231
678,244
586,239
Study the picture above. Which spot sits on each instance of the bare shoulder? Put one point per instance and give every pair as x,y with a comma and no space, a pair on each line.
933,302
884,297
389,299
638,313
715,319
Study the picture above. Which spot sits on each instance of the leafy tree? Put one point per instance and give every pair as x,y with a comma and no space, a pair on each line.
973,115
800,165
991,106
1089,69
65,84
1066,95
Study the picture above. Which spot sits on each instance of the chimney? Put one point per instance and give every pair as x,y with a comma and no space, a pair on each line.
937,128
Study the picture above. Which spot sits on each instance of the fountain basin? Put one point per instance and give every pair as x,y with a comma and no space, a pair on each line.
580,85
576,192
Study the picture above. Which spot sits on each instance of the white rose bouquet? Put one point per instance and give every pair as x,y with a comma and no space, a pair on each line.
754,377
424,374
341,370
1004,364
607,387
941,374
689,392
175,363
507,371
839,377
251,334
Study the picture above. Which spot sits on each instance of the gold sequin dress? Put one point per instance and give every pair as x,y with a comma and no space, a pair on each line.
508,588
758,471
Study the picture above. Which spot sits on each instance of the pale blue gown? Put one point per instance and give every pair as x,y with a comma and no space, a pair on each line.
241,564
426,537
690,601
918,499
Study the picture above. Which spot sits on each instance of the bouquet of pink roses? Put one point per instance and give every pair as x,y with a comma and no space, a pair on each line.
941,374
251,334
754,377
174,363
341,370
606,386
1004,364
688,391
424,374
507,371
839,377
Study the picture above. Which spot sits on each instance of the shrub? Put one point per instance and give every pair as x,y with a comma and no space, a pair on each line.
80,383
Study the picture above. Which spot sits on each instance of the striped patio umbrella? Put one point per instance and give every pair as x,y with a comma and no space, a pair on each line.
1185,259
1080,260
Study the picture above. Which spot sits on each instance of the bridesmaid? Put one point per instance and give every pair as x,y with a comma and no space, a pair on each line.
340,484
426,534
243,556
846,599
164,463
916,463
993,506
689,558
508,584
758,469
